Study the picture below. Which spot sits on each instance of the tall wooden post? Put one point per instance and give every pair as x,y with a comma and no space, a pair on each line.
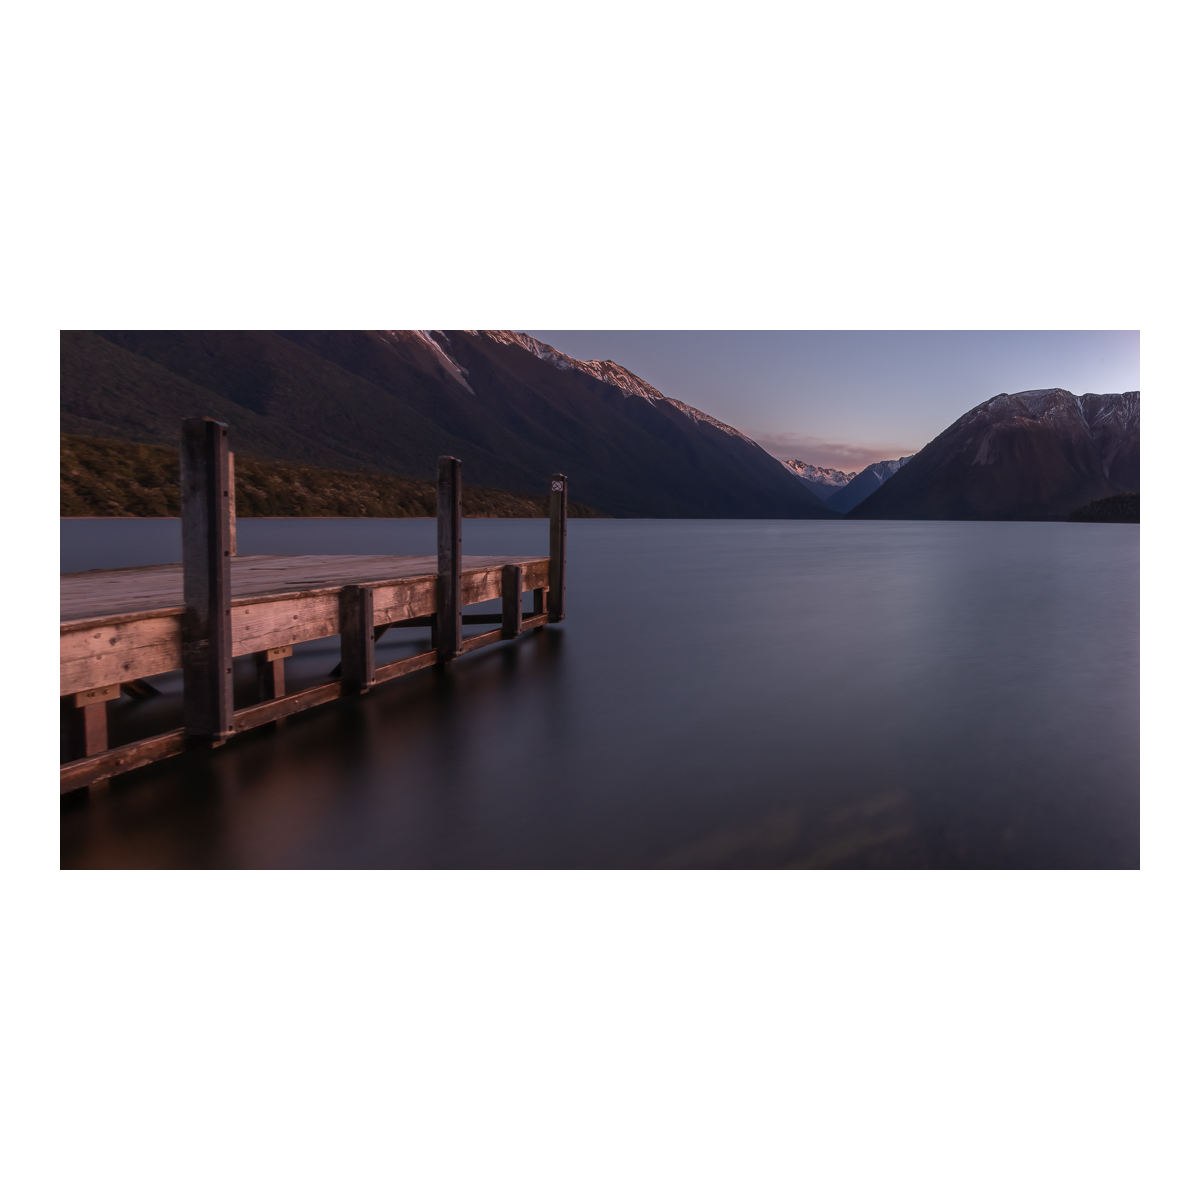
358,638
558,547
232,509
207,621
512,585
449,578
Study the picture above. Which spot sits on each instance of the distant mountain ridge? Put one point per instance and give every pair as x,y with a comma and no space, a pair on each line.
867,481
516,410
823,481
513,409
606,371
1033,455
819,474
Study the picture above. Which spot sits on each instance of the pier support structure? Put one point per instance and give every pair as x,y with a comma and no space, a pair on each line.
558,547
207,630
358,639
448,627
512,585
268,664
107,647
232,509
86,716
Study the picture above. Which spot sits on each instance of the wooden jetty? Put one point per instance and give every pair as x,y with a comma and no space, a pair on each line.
120,626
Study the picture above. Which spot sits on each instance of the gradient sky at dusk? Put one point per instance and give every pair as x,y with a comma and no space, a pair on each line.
845,399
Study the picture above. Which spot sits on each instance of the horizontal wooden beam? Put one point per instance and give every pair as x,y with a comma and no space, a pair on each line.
467,619
97,651
405,666
284,706
83,771
481,639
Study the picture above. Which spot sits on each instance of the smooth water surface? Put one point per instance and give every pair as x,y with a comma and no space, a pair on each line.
722,694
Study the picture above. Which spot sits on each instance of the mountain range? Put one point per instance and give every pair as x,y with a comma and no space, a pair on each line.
842,490
824,481
512,408
1035,455
865,483
516,410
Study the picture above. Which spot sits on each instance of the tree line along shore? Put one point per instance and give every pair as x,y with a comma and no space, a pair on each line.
103,478
1124,509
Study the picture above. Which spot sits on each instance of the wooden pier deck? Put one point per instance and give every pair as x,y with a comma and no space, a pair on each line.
119,626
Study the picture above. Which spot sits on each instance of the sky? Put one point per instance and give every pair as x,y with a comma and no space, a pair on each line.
846,399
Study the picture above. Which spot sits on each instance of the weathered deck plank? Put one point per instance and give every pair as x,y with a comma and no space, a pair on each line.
108,593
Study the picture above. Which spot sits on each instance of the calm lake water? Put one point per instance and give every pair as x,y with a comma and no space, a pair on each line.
745,694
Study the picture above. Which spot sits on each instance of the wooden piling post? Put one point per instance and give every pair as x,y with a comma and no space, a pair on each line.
358,639
558,547
512,585
449,578
207,623
232,509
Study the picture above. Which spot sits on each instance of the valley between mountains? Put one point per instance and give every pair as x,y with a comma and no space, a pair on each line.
365,405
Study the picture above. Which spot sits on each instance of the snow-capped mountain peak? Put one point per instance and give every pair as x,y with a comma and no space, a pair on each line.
886,468
608,372
813,474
